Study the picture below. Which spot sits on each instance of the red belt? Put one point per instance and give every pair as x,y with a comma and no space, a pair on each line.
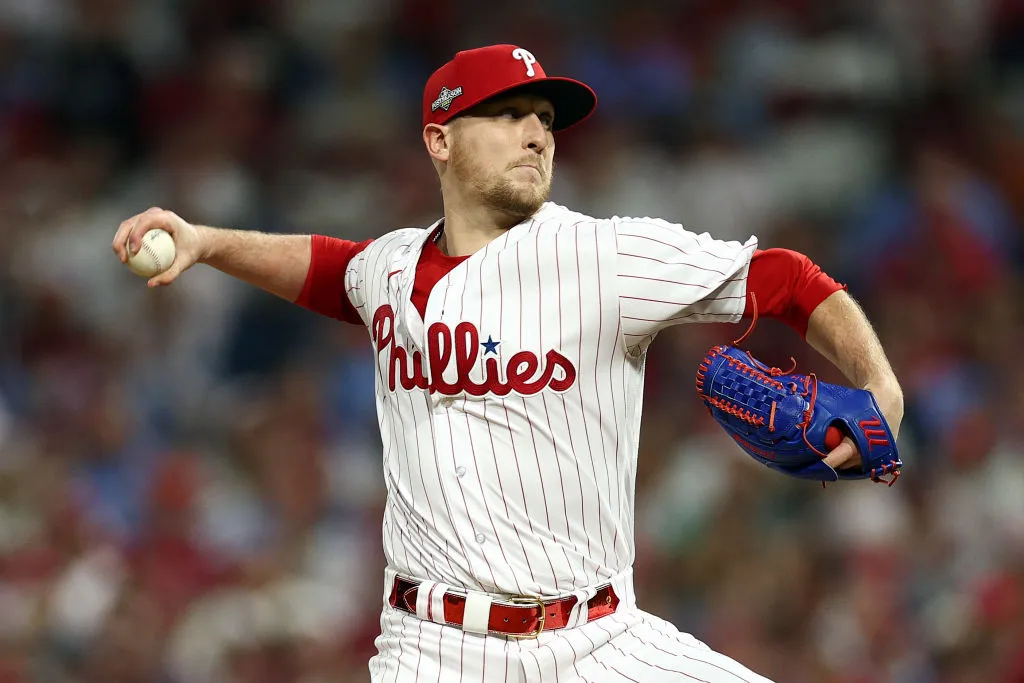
517,616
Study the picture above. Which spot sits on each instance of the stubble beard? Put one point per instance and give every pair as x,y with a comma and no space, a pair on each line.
518,201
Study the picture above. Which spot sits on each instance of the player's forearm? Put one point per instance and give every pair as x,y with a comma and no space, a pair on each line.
840,331
276,263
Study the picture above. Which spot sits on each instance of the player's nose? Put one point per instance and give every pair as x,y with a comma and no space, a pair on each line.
535,135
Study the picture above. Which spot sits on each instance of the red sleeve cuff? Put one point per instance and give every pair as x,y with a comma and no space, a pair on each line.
324,290
788,287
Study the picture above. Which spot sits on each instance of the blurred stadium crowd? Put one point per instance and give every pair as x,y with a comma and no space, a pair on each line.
190,488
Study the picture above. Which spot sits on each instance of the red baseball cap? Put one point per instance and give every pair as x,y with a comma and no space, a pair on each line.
473,76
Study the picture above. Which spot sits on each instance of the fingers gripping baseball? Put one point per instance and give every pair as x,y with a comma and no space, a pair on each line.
128,242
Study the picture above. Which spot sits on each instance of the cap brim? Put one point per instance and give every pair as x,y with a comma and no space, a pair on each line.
573,101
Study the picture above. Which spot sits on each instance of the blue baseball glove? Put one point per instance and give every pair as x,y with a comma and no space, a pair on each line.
790,421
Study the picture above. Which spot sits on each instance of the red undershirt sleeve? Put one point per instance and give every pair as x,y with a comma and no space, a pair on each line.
324,290
788,287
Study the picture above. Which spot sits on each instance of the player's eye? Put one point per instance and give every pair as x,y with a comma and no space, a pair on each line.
547,119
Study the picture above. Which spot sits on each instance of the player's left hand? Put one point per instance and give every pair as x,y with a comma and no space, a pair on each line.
846,456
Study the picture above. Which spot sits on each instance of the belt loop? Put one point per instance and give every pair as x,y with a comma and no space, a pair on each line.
424,592
436,609
580,612
623,585
477,614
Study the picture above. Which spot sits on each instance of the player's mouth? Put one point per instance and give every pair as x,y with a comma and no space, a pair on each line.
531,166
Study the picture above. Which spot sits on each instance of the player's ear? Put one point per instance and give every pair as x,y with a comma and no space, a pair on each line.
437,139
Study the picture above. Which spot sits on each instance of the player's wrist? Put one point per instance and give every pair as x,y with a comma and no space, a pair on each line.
206,243
889,396
887,391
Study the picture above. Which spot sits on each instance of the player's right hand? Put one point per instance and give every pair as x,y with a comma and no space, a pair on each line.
188,243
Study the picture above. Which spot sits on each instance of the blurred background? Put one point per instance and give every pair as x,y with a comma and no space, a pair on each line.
190,484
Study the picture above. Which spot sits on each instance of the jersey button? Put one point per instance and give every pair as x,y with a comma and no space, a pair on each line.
480,538
460,471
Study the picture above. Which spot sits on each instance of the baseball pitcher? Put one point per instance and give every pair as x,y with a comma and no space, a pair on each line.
510,339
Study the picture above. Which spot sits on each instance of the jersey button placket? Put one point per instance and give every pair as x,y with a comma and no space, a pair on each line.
463,525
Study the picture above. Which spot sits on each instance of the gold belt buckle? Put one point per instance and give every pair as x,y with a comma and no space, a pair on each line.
529,600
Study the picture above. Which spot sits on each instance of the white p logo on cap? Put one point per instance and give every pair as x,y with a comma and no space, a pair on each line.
527,58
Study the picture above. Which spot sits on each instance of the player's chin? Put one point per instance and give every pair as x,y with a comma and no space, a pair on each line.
534,191
529,202
520,200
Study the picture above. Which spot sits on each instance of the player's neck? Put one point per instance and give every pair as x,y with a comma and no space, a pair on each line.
467,231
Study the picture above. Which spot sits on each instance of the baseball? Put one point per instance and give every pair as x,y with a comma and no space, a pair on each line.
155,255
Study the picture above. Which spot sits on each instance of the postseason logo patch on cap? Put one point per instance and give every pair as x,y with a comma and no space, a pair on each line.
444,100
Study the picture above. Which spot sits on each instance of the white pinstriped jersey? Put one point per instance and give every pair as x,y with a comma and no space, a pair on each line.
510,414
